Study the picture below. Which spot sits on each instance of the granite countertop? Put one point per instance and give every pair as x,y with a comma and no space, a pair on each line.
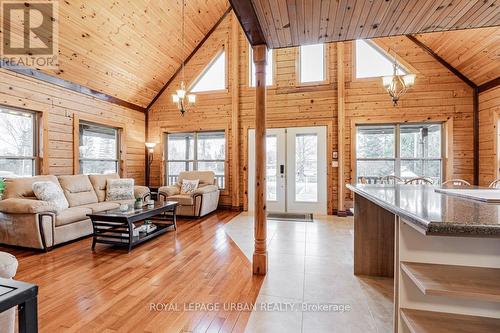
435,213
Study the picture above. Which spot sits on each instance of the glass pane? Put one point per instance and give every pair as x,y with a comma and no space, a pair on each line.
373,62
211,146
306,167
98,142
214,77
269,68
371,171
312,63
98,167
375,141
217,167
180,146
16,133
16,168
411,169
421,141
174,168
432,170
271,167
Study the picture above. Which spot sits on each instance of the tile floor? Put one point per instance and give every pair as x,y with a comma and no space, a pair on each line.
311,263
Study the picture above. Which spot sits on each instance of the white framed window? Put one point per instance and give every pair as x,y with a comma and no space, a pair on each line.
204,151
269,68
312,67
99,149
18,142
213,77
403,150
373,61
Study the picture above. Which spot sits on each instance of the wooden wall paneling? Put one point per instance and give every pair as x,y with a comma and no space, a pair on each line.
235,114
59,106
489,110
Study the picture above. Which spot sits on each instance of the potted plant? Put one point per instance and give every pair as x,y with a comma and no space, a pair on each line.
138,203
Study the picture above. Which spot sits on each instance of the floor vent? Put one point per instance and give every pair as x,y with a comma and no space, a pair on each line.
293,217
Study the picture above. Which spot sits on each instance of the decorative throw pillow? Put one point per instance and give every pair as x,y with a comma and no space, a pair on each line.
189,186
52,193
119,189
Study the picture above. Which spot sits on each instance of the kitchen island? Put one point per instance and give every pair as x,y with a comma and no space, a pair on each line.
442,250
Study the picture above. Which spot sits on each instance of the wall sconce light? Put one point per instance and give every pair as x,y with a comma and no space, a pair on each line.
151,148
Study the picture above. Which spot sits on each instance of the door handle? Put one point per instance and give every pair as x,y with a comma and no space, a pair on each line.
282,169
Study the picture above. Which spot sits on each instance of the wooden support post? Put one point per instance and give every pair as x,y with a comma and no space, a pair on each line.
235,112
341,211
260,223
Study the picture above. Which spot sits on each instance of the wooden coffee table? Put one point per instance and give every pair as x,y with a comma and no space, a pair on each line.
115,227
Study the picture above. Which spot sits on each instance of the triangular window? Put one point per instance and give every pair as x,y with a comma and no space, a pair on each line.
372,61
213,76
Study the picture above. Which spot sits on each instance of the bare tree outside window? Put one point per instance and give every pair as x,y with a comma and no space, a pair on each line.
17,143
98,149
196,151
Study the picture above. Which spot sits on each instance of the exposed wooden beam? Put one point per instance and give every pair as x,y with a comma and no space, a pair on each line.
442,61
247,16
475,101
200,44
260,222
489,85
75,87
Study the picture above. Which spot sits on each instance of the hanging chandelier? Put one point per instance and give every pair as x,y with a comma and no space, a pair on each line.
397,85
181,98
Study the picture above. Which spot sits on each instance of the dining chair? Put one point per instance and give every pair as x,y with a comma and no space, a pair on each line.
391,179
495,184
456,182
419,180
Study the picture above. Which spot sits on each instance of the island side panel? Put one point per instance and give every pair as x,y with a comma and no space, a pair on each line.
373,239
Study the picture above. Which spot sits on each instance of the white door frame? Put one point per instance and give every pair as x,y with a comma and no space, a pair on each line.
285,185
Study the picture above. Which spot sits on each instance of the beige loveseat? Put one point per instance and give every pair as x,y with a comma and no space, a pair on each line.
26,221
202,201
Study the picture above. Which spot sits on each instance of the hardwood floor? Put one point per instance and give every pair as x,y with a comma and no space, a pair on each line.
110,290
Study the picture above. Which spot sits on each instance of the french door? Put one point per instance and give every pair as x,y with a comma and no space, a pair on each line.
295,170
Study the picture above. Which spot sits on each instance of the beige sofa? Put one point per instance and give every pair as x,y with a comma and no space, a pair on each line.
202,201
25,221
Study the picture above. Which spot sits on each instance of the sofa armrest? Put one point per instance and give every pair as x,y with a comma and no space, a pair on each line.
205,189
26,206
168,191
141,192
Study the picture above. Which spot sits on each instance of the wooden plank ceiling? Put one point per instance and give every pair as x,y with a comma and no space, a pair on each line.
129,49
288,23
474,53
